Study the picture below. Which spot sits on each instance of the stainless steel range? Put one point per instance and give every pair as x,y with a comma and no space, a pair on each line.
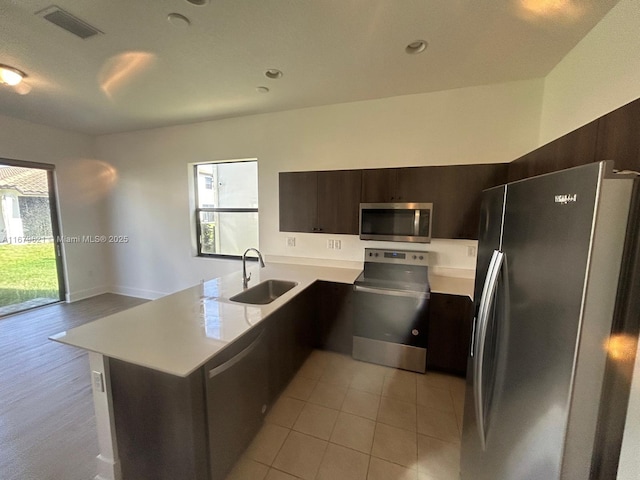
391,309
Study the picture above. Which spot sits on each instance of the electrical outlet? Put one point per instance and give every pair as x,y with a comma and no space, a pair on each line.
291,241
337,244
471,251
330,244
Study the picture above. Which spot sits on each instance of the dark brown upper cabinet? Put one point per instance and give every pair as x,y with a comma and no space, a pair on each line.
454,191
298,201
614,136
379,186
571,150
320,202
458,190
619,137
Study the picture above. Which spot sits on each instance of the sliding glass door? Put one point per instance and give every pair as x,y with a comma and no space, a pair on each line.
30,261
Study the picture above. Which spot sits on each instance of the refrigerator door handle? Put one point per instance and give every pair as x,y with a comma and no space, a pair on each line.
486,303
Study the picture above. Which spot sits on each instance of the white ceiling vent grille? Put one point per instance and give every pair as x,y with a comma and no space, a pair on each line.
65,20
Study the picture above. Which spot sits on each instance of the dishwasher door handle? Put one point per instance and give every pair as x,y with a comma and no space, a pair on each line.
393,293
236,358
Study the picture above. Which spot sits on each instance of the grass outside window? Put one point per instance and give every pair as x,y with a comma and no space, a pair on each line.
27,271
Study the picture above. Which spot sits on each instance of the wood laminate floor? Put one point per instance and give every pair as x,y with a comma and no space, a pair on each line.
47,424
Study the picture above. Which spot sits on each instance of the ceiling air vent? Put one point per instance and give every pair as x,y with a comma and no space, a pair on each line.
65,20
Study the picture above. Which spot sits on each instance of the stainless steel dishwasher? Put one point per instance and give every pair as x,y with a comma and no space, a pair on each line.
237,396
391,308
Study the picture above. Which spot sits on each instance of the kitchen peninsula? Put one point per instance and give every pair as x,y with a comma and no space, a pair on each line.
181,384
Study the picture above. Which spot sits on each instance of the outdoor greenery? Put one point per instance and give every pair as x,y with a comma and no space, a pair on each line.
27,271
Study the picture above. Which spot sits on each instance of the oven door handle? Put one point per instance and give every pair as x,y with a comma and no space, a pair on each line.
393,293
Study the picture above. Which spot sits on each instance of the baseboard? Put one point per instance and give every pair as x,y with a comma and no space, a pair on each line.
136,292
82,294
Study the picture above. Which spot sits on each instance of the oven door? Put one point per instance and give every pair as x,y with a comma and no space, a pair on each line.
390,327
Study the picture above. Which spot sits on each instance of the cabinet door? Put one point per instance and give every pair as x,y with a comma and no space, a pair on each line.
575,148
571,150
290,337
298,193
459,207
618,137
449,333
379,185
339,201
334,303
161,423
455,191
421,184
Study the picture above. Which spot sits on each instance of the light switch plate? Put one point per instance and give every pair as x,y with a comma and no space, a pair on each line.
98,382
337,244
291,241
471,251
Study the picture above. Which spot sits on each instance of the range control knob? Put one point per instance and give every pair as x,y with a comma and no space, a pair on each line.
415,332
376,254
414,257
421,257
370,254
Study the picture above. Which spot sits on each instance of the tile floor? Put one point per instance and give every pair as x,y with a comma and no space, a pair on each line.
340,419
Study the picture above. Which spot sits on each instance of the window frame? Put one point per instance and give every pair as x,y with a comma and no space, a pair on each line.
199,209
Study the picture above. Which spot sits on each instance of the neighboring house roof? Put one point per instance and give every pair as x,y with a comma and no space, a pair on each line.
27,181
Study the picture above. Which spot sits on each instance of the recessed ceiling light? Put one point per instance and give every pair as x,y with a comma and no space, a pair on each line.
178,20
418,46
199,3
273,74
262,89
11,76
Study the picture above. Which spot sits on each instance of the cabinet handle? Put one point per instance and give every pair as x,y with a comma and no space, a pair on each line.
223,367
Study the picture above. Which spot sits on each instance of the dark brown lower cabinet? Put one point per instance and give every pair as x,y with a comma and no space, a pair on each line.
450,318
290,339
334,310
195,428
161,423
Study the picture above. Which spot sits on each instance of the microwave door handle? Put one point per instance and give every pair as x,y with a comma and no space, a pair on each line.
416,222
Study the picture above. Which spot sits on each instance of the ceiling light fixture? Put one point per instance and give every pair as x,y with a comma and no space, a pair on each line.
262,89
273,74
178,20
199,3
418,46
11,76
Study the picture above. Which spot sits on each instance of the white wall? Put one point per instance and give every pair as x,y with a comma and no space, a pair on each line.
599,75
495,123
82,183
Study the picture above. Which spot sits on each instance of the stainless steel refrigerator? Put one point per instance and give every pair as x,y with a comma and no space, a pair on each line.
545,394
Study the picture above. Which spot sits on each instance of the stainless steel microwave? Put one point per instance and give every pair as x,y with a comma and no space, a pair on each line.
396,222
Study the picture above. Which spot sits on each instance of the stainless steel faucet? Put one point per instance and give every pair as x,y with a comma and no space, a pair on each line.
245,278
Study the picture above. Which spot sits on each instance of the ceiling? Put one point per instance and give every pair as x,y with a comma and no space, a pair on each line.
145,72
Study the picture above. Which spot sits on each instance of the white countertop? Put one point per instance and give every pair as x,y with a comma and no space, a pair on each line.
178,333
452,285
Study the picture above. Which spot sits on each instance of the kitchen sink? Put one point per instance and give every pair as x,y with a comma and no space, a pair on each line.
264,292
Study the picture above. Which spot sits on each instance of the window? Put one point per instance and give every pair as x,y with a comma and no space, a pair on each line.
226,207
